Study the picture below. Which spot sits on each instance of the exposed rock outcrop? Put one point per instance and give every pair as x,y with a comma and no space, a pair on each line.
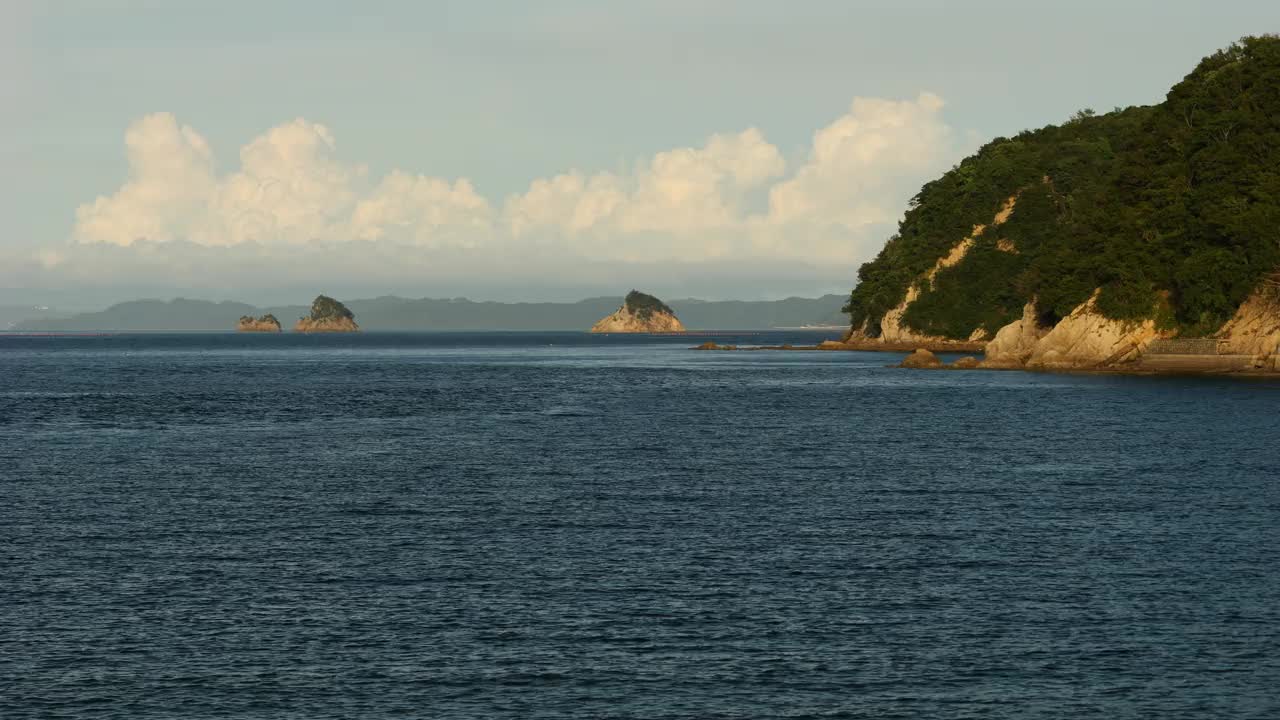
1255,329
1083,340
327,315
1014,343
921,358
266,323
1086,339
307,325
965,363
892,328
640,313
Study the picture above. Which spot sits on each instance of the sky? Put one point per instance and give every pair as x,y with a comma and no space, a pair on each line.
517,150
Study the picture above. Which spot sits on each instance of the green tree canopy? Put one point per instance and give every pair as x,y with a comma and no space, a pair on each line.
1172,210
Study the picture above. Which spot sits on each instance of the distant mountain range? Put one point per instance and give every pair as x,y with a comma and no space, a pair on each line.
396,313
11,315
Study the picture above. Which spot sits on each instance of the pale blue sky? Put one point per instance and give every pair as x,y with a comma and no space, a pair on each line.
503,93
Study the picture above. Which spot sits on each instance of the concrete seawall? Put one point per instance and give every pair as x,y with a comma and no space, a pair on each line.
1200,355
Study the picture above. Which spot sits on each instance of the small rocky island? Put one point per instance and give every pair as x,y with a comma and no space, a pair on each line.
266,323
327,315
640,313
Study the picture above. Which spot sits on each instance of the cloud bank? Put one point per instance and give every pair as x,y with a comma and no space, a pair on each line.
292,208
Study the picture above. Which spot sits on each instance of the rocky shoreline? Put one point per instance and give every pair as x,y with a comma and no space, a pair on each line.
1156,361
1086,340
920,360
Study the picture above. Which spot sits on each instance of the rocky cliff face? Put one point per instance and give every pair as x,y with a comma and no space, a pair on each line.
1084,340
327,315
640,313
892,330
1255,328
1015,343
266,323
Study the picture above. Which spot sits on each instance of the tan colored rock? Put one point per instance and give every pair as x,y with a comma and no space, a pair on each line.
1255,328
965,363
624,322
266,323
892,329
307,325
1014,343
1085,339
1005,211
832,345
921,359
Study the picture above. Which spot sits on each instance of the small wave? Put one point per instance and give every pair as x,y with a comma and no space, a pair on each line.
570,411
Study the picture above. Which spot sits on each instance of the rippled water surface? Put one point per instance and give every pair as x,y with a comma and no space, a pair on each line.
563,526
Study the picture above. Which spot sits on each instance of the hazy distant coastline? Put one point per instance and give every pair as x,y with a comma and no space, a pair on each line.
396,313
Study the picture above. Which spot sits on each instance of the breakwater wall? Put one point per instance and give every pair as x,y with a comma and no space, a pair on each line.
1199,355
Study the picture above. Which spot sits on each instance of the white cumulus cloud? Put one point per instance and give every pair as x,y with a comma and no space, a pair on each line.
171,180
862,162
681,191
733,198
290,189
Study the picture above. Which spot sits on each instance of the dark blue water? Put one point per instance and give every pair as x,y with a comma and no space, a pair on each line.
563,526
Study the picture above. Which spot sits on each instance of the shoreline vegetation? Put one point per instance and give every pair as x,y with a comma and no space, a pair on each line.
1146,239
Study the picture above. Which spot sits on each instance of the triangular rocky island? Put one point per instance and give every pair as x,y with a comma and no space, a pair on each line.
640,313
327,315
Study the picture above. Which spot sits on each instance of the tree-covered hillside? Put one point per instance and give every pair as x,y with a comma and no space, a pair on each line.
326,308
1172,210
643,305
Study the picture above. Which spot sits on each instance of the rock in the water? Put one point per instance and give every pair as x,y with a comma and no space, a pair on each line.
1014,343
965,363
710,345
921,358
640,313
327,315
266,323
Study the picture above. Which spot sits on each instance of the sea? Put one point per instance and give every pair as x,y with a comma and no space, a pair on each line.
564,525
